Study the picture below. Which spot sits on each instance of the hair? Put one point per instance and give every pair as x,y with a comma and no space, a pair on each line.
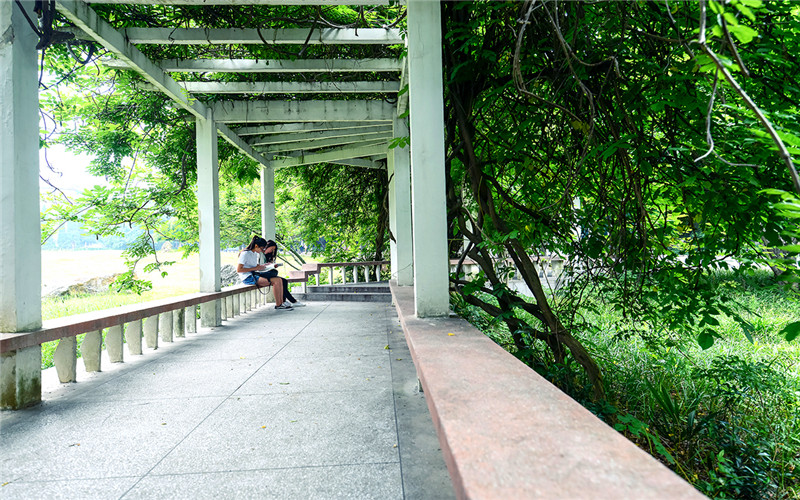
256,241
270,257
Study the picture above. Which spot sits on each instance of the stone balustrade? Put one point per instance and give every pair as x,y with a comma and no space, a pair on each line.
315,270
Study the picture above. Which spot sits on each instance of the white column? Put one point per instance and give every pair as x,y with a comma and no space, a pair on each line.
20,244
426,110
268,203
400,209
208,205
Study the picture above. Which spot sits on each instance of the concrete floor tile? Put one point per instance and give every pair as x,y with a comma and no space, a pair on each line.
290,430
165,379
320,374
84,489
226,347
327,345
370,481
95,439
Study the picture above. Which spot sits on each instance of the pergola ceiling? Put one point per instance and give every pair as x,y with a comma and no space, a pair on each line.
284,96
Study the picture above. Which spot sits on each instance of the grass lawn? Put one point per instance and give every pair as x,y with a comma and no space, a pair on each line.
60,268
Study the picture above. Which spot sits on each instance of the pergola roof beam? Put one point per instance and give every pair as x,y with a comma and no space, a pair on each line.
271,65
287,36
287,87
242,146
323,143
345,153
325,134
361,163
239,2
302,127
102,32
302,111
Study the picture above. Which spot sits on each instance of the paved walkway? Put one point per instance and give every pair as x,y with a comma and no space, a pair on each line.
320,402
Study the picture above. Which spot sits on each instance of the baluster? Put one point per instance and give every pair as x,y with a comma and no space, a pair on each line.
66,360
355,274
344,275
223,309
237,303
191,319
151,332
232,312
366,274
253,300
316,279
133,337
114,344
165,326
91,349
178,322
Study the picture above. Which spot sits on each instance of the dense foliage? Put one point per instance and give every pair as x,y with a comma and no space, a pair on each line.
650,145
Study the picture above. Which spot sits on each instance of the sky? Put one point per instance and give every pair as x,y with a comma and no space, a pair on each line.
70,170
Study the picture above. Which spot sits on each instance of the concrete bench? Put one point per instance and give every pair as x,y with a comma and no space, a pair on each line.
506,432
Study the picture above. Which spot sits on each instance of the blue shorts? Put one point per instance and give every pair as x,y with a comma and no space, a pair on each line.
251,279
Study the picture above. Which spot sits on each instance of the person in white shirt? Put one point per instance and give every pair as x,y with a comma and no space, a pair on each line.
270,254
252,272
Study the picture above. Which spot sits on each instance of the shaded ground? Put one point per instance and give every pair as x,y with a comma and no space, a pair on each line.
320,402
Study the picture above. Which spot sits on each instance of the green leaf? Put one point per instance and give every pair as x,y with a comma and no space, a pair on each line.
705,340
743,33
792,330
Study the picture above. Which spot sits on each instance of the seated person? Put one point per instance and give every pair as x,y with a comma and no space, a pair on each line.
270,253
252,272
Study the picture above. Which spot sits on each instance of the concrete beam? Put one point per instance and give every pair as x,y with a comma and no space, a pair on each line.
246,36
270,65
100,31
286,87
323,134
338,154
324,143
360,163
238,143
236,3
302,111
301,127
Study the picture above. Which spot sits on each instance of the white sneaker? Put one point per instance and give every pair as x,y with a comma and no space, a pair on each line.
298,304
284,307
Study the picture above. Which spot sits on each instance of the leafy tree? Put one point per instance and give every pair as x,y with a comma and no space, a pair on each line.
607,133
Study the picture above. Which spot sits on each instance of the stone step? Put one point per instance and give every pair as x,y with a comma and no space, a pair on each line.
344,297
